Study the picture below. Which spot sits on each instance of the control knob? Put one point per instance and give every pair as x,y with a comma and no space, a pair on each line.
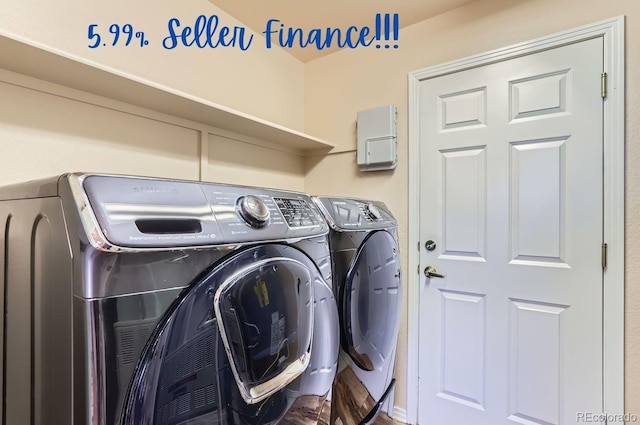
373,211
253,210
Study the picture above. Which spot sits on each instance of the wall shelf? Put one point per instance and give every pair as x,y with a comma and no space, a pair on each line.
41,62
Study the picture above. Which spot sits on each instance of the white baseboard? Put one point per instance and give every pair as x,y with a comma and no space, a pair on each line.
399,414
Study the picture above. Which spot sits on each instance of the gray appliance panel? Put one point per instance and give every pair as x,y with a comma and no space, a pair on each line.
285,222
36,333
347,214
119,330
109,274
150,213
372,301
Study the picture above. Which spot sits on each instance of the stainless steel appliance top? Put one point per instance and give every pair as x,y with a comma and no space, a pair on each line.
121,213
349,214
139,212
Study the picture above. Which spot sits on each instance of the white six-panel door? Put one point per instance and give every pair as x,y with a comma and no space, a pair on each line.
511,195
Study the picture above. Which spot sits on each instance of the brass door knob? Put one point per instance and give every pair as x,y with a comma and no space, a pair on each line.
431,272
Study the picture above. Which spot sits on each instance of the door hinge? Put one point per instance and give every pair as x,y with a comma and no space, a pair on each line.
603,85
418,269
604,256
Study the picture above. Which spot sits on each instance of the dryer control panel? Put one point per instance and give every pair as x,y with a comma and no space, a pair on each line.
355,214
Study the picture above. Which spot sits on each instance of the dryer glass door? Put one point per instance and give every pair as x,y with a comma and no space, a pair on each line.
371,301
230,343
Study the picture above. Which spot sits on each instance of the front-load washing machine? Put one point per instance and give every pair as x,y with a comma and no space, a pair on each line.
137,301
365,259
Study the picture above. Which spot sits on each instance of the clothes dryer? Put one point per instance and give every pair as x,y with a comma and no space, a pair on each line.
150,301
367,285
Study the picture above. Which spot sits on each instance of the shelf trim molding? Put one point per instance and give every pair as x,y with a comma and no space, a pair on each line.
35,60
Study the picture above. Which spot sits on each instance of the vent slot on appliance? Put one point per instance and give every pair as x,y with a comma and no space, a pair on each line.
163,226
237,341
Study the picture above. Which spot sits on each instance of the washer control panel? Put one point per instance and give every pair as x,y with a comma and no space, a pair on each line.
147,212
296,212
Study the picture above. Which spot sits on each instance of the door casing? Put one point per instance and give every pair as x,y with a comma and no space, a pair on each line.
612,32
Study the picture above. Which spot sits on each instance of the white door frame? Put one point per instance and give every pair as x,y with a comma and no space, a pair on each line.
612,31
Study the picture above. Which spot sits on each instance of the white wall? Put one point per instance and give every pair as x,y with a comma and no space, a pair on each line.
252,164
42,135
267,83
47,130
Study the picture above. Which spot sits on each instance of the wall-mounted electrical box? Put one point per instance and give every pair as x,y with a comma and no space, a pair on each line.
377,138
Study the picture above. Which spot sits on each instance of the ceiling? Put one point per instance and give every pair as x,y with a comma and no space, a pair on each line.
309,14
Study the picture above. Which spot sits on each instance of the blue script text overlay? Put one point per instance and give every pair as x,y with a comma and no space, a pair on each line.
208,32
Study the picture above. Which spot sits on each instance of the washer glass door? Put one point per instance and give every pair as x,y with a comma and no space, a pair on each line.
229,345
371,301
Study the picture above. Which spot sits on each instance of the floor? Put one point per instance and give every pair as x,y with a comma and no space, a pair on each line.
308,410
317,410
349,395
350,402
